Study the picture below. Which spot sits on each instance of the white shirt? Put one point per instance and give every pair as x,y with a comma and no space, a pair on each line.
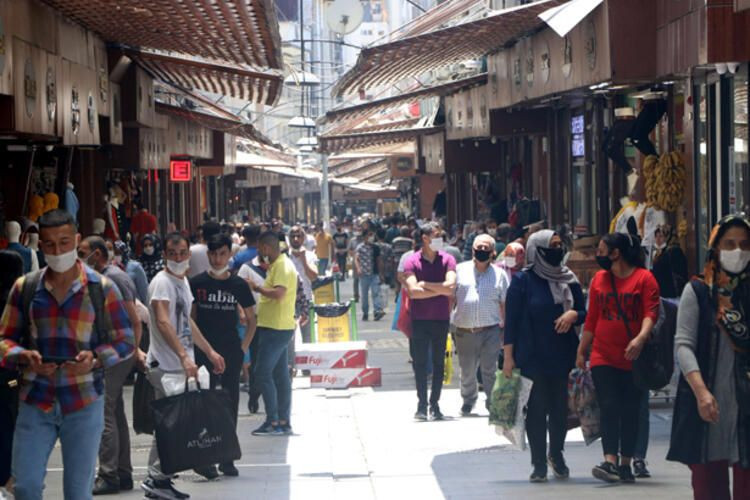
310,242
247,273
176,292
312,263
479,295
198,260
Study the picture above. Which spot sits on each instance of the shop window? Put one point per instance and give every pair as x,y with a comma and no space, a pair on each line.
738,181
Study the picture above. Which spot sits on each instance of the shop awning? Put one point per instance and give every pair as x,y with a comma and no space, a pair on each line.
245,159
412,56
235,81
242,32
221,123
343,142
369,108
565,17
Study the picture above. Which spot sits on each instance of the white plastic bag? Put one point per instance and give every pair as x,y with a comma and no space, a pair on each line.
517,434
174,383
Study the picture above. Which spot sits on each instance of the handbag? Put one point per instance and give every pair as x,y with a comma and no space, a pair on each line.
194,429
404,314
143,395
651,370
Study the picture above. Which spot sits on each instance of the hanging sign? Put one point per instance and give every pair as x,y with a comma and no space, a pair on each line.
180,170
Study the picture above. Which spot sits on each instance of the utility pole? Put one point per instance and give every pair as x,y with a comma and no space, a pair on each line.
325,204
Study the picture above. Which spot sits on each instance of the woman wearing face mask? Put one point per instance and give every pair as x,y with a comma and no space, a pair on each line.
711,423
668,263
151,259
512,259
544,303
622,287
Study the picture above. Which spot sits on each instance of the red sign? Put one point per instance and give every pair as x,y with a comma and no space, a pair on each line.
180,170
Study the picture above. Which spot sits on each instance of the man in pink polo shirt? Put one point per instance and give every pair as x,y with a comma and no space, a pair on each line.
430,281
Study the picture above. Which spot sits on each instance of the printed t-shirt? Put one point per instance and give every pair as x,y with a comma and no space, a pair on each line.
176,292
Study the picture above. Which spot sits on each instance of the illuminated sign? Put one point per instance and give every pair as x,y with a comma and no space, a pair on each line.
180,170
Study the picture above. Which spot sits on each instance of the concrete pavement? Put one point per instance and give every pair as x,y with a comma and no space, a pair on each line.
363,444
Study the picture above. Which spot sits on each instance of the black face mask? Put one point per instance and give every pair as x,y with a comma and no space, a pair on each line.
482,255
604,262
553,256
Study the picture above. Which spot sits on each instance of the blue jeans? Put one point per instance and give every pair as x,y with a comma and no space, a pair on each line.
36,433
322,266
272,373
641,442
370,283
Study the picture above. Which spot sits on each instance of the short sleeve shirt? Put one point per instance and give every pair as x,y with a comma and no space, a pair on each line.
366,254
123,282
279,314
479,295
434,308
176,292
216,304
312,262
323,245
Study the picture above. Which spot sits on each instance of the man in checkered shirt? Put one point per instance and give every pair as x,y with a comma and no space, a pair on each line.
478,317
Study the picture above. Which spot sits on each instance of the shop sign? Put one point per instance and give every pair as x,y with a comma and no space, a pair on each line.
75,111
180,170
29,87
51,89
567,66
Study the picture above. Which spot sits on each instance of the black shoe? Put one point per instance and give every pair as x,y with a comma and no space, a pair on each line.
607,472
466,410
162,488
104,487
626,474
209,472
253,405
228,469
379,315
268,429
639,469
286,429
365,317
421,414
559,468
539,474
126,483
435,413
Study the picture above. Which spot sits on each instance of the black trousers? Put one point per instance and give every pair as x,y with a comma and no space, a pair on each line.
429,335
619,403
341,260
253,391
547,411
230,379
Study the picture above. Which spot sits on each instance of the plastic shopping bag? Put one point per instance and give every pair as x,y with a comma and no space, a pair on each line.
396,312
448,370
508,407
582,402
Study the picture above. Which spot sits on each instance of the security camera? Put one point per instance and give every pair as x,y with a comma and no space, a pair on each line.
733,67
721,68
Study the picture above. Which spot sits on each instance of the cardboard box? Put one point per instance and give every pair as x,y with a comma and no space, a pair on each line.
343,378
331,355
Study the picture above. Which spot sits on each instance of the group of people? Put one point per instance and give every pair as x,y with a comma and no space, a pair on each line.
77,328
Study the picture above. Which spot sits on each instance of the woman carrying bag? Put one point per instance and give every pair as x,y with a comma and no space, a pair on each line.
543,304
623,308
711,423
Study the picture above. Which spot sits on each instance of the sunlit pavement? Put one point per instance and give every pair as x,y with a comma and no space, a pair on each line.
361,444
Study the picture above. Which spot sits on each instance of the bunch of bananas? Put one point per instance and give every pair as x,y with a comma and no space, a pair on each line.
664,181
682,228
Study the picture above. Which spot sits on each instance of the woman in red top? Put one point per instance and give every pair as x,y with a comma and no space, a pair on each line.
614,349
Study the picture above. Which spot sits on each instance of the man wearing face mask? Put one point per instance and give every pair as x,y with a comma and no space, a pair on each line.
306,263
430,281
218,295
478,315
367,262
173,336
62,360
115,468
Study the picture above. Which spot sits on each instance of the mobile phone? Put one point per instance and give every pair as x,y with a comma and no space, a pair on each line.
58,360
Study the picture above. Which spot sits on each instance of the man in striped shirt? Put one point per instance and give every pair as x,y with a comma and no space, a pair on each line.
62,353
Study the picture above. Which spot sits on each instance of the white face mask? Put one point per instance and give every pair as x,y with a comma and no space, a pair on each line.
62,263
117,259
148,250
218,272
178,268
510,262
436,244
734,261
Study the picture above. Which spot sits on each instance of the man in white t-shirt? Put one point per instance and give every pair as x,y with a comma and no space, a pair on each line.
199,252
306,263
173,334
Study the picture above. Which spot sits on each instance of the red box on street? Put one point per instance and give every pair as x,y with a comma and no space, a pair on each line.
331,355
344,378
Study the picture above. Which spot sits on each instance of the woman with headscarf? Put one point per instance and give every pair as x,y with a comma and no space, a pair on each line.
668,263
151,259
512,259
544,303
623,308
133,268
711,422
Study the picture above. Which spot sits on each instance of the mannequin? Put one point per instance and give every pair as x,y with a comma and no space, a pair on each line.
114,213
71,201
13,232
32,242
99,227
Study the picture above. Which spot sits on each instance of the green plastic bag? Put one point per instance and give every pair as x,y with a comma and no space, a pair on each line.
504,401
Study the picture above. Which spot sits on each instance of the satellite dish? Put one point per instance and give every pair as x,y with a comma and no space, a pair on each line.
344,16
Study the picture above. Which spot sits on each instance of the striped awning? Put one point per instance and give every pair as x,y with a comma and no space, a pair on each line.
413,56
241,32
344,142
234,81
223,123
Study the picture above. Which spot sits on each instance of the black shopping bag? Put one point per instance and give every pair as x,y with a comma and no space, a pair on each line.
143,395
194,429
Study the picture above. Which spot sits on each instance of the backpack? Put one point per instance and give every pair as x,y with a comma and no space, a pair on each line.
654,367
102,321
